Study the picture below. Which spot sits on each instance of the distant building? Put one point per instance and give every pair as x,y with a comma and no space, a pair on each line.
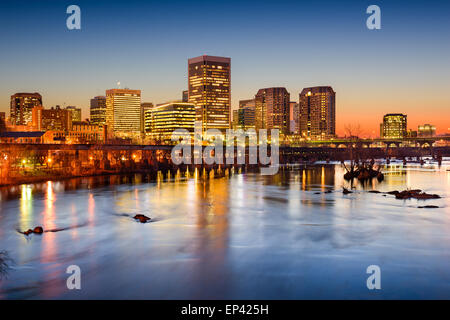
51,119
394,126
83,132
21,137
235,121
294,111
246,114
272,109
21,107
209,87
185,96
76,113
98,111
163,119
123,112
426,130
317,116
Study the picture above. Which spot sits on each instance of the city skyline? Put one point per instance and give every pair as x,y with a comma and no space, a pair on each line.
391,72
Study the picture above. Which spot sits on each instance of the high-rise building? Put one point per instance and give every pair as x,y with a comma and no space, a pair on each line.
163,119
246,114
426,130
272,109
98,111
209,87
21,107
235,121
76,113
317,119
123,112
394,126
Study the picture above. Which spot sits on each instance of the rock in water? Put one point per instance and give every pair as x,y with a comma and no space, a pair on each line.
28,232
346,191
142,218
429,207
38,230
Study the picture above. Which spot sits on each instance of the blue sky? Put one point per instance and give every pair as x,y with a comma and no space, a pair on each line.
145,45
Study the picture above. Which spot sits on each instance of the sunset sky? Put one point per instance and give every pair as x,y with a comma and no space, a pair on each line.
404,67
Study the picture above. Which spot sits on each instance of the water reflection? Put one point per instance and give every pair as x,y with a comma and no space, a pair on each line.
292,235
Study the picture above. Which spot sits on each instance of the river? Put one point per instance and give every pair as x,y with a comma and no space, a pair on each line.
245,236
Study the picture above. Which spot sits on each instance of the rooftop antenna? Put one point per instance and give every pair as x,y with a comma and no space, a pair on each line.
118,84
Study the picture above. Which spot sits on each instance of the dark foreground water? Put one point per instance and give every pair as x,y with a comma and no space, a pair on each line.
243,237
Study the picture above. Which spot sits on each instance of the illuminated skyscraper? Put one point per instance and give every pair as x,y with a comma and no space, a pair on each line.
272,109
163,119
21,107
98,111
318,113
123,111
426,130
394,126
209,86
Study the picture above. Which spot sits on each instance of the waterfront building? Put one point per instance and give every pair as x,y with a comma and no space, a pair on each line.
123,112
98,111
317,113
163,119
294,110
394,126
84,132
426,130
21,107
21,137
272,109
209,89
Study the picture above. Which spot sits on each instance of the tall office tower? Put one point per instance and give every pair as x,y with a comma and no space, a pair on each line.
235,121
185,96
168,117
209,86
98,111
294,111
318,113
21,107
272,109
246,114
123,112
394,126
76,113
145,106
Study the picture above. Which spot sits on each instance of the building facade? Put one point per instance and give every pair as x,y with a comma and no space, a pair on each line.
76,113
394,126
294,111
51,119
98,111
272,109
2,121
123,112
146,106
21,107
246,114
317,113
426,130
209,89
